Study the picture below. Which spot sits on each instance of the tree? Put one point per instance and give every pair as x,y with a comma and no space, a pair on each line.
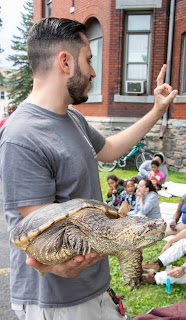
20,80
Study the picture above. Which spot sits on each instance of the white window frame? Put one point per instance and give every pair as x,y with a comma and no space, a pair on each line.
98,78
183,66
94,33
126,41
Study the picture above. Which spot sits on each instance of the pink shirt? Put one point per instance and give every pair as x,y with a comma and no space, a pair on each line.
3,121
158,176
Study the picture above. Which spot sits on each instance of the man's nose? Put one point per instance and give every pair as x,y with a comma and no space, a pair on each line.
93,74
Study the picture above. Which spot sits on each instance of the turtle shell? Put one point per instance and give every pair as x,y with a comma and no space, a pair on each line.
40,220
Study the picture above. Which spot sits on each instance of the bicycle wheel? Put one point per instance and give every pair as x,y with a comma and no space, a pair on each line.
106,167
142,157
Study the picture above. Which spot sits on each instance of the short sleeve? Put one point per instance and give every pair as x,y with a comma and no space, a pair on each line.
26,176
162,176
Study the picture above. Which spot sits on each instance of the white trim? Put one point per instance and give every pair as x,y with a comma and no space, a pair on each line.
138,4
180,99
178,123
95,98
136,99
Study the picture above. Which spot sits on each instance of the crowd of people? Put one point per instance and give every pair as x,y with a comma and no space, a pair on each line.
138,196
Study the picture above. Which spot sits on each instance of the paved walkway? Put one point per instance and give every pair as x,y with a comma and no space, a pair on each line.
167,211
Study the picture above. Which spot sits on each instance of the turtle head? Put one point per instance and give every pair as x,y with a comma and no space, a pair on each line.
139,232
149,233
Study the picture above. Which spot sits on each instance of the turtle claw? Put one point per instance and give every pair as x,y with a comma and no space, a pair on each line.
132,283
76,240
84,251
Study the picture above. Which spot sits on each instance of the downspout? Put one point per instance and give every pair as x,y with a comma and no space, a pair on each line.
169,56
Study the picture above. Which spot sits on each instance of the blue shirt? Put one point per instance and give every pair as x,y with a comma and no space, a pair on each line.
183,210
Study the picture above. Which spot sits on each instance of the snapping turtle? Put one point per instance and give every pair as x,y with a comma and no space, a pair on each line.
56,233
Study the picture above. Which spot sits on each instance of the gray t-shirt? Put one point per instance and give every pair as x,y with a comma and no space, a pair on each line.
150,209
47,157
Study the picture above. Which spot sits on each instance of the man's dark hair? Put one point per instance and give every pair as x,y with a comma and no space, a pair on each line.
155,162
49,36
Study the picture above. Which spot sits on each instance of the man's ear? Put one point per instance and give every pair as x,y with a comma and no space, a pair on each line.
66,62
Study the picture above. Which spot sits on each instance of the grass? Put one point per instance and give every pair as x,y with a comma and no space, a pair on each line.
147,296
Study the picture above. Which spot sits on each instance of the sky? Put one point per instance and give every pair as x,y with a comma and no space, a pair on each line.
11,16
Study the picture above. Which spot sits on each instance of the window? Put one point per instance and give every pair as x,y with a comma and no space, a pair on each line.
96,42
2,95
183,66
48,8
137,48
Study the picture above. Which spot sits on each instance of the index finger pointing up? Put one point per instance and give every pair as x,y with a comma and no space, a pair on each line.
161,77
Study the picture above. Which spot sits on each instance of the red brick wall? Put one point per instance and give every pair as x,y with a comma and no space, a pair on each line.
112,23
38,9
178,111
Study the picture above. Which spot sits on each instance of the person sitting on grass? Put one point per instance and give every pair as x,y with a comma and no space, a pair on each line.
147,202
172,251
115,188
145,168
128,197
155,175
175,226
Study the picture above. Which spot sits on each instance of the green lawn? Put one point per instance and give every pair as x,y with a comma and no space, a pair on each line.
148,296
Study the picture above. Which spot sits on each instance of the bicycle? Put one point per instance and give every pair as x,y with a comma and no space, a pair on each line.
142,155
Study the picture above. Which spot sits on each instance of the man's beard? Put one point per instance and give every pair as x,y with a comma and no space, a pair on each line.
76,86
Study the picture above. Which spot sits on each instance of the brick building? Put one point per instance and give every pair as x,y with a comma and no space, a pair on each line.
130,41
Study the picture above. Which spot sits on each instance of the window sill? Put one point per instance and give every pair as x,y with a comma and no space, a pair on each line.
95,98
180,99
142,4
136,99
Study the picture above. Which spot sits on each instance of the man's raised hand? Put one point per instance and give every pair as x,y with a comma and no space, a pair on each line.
163,94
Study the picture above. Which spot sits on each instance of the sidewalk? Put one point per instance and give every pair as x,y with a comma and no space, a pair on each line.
167,211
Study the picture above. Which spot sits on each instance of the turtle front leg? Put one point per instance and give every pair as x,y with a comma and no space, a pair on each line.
75,239
131,267
58,244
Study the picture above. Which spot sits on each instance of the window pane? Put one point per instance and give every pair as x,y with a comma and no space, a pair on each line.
138,48
96,48
137,72
138,22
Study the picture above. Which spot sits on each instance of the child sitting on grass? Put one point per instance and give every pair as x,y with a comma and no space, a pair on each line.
128,197
115,188
155,175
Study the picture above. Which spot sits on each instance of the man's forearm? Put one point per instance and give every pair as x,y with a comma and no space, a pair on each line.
120,143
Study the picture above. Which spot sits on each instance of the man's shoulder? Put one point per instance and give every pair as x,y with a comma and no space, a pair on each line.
162,165
146,164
